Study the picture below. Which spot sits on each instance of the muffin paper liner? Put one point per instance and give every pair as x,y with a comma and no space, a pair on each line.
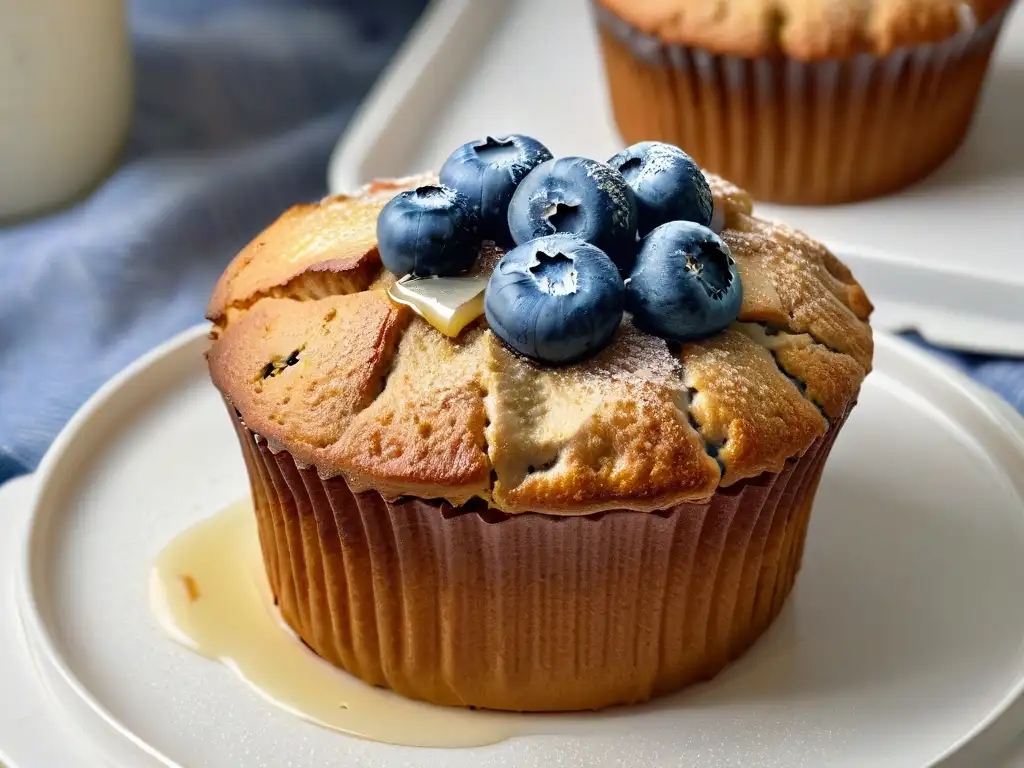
788,131
471,606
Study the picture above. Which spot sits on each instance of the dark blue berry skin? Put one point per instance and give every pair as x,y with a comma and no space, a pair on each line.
487,172
685,285
556,299
667,185
427,231
581,197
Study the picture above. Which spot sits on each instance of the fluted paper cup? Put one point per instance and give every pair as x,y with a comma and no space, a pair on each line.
790,131
473,607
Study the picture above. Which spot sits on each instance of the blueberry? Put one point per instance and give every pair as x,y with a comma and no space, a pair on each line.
685,285
581,197
488,172
667,184
427,231
556,299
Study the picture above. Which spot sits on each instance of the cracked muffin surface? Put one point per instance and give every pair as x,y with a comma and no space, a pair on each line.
316,358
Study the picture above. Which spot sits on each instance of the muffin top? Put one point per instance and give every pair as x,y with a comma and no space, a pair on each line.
317,359
800,29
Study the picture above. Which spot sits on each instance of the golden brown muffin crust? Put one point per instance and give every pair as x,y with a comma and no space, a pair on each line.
310,251
353,384
728,374
802,29
609,433
299,371
424,435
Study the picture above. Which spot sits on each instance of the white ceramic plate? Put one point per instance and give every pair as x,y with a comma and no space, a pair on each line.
31,735
941,257
903,640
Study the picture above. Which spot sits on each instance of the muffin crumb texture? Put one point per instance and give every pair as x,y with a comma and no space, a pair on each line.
822,29
315,357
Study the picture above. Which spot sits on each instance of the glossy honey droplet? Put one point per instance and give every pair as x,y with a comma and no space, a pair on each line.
447,303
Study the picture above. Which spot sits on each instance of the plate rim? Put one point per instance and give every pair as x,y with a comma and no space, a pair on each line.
43,647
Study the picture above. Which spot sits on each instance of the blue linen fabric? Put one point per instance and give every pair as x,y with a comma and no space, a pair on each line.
238,105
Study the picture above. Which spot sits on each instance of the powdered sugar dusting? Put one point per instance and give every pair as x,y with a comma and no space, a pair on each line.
634,358
610,181
658,159
808,292
730,202
633,362
721,188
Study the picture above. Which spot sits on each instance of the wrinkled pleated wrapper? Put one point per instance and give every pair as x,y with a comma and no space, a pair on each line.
473,607
789,131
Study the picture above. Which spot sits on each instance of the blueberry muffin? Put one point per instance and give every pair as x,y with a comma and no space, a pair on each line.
534,436
809,102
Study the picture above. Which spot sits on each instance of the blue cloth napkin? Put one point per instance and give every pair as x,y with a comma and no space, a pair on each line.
239,103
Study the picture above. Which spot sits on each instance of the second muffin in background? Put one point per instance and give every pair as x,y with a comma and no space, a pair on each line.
817,102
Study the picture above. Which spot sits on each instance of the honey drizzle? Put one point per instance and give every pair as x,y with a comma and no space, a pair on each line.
209,592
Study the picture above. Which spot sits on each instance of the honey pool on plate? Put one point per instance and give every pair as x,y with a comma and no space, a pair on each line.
209,592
